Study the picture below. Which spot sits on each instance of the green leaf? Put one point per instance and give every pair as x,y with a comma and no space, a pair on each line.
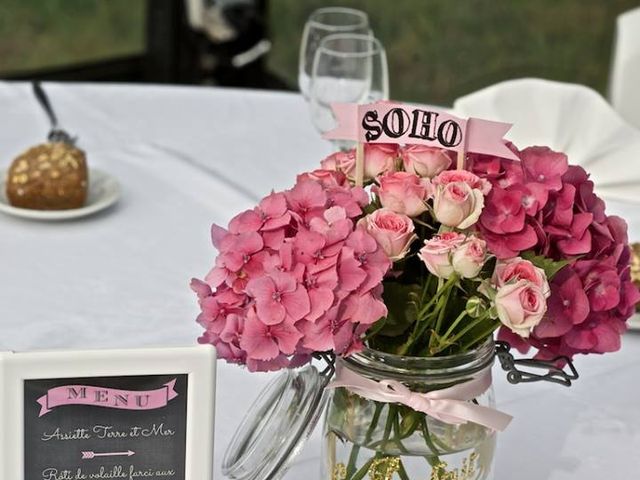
400,301
550,267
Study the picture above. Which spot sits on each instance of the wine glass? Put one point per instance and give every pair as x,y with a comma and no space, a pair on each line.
347,68
321,23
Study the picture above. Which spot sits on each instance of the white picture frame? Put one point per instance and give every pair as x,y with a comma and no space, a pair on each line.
197,362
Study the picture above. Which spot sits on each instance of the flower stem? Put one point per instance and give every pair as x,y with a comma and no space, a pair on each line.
428,439
402,473
442,308
488,331
353,458
359,475
445,287
421,324
454,324
374,422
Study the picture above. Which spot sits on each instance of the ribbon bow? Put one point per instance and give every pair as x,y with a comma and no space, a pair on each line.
450,405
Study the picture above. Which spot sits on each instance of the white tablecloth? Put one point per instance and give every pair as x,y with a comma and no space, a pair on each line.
187,157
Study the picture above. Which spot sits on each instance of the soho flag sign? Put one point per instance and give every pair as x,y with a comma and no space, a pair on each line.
393,122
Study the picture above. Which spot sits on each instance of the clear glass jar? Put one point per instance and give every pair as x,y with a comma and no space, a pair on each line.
365,439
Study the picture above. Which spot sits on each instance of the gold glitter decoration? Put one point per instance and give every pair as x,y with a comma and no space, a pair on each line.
384,468
50,176
339,472
466,472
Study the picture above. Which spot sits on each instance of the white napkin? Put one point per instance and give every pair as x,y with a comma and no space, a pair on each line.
569,118
624,83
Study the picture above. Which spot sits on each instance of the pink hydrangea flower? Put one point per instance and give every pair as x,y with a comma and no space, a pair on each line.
548,207
293,276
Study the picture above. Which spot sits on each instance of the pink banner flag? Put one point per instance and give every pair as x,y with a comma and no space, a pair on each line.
393,122
107,397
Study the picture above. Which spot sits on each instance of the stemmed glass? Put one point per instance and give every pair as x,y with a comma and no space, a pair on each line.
322,23
347,68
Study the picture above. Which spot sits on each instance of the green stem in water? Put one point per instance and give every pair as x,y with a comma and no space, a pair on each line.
396,431
353,459
374,422
355,449
428,439
402,473
359,475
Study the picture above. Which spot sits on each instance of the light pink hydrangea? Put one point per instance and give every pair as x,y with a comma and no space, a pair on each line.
293,276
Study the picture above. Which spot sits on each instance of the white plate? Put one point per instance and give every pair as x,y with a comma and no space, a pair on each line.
103,192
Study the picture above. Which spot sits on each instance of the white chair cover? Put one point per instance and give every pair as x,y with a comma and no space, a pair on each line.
624,81
570,118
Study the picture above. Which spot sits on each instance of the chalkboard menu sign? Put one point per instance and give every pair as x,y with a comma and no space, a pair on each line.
114,427
144,417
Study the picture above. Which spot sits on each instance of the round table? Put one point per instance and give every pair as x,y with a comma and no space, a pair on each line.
190,156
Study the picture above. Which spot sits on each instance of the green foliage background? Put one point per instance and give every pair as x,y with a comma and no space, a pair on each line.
437,49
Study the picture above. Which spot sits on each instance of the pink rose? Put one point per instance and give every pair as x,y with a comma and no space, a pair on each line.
521,306
327,178
515,269
393,232
379,158
436,253
459,198
468,258
425,161
463,176
404,193
344,162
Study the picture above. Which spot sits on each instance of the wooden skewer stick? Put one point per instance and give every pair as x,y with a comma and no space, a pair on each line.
360,164
460,163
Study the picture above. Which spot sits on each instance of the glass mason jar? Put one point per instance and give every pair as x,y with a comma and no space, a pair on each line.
366,439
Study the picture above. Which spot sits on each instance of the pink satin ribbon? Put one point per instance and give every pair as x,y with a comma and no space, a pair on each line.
450,405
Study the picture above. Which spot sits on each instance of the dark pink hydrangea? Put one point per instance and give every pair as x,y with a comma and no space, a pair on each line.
543,205
293,276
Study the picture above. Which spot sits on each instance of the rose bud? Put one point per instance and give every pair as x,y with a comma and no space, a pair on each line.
393,232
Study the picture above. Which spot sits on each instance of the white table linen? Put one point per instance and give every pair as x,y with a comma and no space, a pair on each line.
187,157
